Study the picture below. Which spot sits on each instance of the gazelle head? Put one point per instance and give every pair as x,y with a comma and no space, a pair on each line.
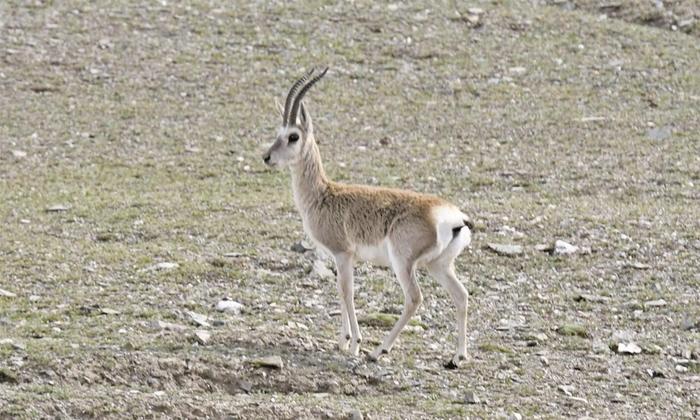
296,130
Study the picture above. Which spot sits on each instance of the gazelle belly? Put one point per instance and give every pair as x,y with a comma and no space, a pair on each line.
375,254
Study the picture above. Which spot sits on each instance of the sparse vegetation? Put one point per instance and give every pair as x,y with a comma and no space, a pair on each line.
131,179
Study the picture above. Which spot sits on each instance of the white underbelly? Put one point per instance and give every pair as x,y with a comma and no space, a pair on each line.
375,254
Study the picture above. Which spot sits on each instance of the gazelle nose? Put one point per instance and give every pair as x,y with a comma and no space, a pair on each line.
266,158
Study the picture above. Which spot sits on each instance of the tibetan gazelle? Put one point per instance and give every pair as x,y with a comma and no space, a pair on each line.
400,229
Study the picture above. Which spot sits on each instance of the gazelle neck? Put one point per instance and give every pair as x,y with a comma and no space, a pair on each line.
308,177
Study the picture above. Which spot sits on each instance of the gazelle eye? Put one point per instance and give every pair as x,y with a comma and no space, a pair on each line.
293,137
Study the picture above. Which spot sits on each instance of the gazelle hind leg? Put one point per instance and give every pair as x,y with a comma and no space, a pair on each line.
444,273
349,330
405,273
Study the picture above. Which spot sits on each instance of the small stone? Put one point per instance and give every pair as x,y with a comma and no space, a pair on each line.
681,369
659,133
164,266
57,208
515,416
199,319
169,326
109,311
301,247
322,271
563,248
591,298
654,303
628,348
540,337
355,415
517,70
639,266
568,390
202,337
273,362
687,324
7,293
505,249
230,306
600,347
471,398
19,154
655,373
34,298
475,11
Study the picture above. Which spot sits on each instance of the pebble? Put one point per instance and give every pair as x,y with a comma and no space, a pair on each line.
322,271
505,249
274,362
164,266
681,369
471,398
109,311
568,390
563,248
202,337
654,303
7,293
162,325
230,306
356,415
199,319
57,208
628,348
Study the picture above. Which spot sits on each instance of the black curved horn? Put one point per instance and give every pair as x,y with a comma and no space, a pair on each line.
291,94
295,108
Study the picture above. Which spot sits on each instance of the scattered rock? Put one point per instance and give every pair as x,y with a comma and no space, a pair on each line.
7,293
34,298
169,326
681,369
628,348
573,330
659,133
321,270
230,306
163,266
109,311
656,373
654,303
515,416
57,208
639,266
199,319
301,247
273,362
505,249
202,337
563,248
600,347
591,298
19,154
355,415
471,398
568,390
687,324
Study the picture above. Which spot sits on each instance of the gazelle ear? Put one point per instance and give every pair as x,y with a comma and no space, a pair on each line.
306,119
278,105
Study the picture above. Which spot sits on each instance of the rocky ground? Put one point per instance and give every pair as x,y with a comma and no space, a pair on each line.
134,201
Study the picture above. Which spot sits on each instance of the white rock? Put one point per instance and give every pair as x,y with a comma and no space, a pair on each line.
654,303
681,368
322,271
7,293
199,319
505,249
19,154
202,337
162,325
628,348
564,248
230,306
165,266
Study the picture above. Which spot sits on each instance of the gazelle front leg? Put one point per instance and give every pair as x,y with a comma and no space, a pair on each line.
349,330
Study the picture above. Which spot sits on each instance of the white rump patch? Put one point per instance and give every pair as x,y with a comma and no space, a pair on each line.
447,218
